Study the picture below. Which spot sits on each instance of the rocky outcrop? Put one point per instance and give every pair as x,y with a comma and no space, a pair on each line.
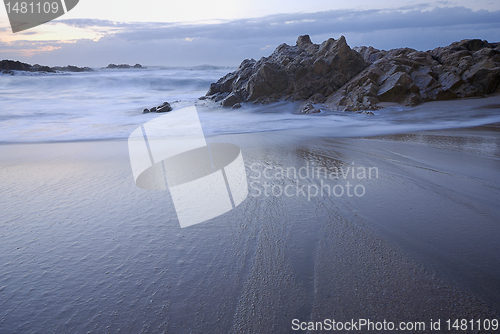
463,69
362,78
71,68
8,66
164,107
290,72
309,108
122,66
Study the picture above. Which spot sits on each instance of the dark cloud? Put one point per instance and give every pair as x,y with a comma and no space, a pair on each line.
230,42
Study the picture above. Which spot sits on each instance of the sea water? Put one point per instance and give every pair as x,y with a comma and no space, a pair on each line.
108,104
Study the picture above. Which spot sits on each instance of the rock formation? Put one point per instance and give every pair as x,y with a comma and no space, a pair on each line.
291,72
7,66
122,66
360,79
164,107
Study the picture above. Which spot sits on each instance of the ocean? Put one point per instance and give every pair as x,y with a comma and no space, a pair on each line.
108,104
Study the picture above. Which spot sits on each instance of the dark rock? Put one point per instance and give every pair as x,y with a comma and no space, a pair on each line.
236,106
165,107
304,41
7,66
11,65
41,68
412,100
359,79
124,66
309,108
290,72
71,68
395,87
450,81
152,109
231,100
118,66
145,111
14,66
317,98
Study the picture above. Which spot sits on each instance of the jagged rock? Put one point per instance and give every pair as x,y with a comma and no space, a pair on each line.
165,107
71,68
290,72
231,100
395,87
152,109
359,79
463,69
123,66
14,66
10,65
317,98
309,108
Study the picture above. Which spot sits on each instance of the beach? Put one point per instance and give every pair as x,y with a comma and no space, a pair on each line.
84,250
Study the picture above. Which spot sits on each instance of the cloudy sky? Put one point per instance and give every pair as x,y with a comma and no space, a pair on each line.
224,32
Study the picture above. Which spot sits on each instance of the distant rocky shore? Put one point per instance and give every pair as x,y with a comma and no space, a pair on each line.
8,66
360,79
121,66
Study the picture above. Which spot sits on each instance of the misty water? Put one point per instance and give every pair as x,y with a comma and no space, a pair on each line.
108,104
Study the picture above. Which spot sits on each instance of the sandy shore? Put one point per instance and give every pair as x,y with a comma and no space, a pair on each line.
83,249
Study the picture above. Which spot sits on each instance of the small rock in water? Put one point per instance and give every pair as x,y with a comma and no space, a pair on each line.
309,108
152,109
165,107
145,111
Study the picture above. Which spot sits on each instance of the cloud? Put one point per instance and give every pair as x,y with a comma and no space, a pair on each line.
229,42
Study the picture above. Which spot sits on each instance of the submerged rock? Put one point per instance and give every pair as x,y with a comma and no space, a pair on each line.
360,79
309,108
123,66
7,66
165,107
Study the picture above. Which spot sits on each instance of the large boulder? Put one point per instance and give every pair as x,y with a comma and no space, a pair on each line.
290,72
164,107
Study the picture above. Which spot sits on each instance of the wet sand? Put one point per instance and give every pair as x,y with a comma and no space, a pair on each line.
82,249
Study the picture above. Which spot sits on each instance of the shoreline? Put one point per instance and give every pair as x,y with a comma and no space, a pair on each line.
79,232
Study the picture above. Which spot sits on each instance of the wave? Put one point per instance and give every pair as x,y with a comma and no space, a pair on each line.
108,104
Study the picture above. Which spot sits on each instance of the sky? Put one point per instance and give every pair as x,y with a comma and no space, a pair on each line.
224,32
